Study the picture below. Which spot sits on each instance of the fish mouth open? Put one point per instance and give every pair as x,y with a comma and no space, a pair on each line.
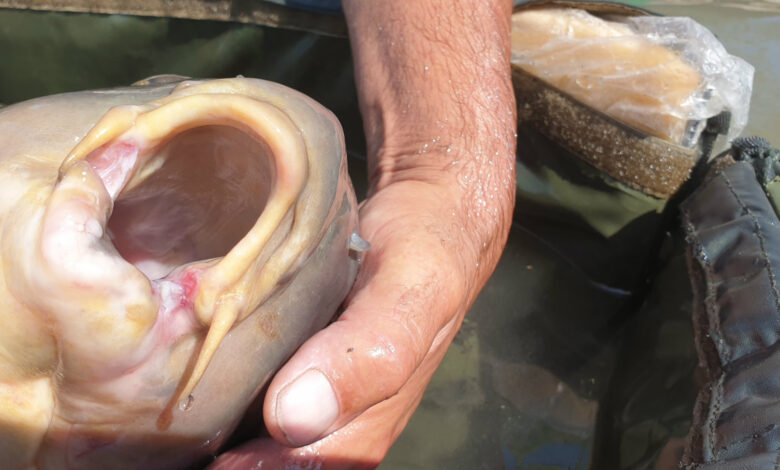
208,186
179,170
194,189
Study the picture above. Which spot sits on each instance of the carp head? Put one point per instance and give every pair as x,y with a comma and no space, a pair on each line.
158,272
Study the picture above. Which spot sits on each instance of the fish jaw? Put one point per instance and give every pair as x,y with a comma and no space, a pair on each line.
135,334
224,296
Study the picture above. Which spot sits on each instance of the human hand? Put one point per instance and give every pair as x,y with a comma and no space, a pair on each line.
439,120
412,292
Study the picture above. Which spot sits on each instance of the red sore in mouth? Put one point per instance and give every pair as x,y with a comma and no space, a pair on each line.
189,282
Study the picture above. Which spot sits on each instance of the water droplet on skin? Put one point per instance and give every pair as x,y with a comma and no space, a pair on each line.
358,244
186,404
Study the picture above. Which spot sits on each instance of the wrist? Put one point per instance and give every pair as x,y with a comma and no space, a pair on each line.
465,209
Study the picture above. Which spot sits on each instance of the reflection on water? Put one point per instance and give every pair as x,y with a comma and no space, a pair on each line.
543,364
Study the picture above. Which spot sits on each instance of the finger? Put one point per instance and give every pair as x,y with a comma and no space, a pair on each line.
406,295
362,443
338,451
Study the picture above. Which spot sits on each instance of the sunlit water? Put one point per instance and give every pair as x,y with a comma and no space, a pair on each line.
519,388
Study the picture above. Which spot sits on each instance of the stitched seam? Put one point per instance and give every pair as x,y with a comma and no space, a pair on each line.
715,409
722,350
755,435
710,305
761,242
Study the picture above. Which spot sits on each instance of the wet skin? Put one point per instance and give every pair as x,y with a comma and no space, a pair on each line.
439,117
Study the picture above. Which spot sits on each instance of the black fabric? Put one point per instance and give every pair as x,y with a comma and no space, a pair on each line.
759,152
734,258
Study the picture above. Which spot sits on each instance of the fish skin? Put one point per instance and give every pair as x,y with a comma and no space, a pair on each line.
95,357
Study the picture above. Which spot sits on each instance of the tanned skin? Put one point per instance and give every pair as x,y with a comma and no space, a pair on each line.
435,92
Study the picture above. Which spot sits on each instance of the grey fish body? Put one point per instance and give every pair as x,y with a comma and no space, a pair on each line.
164,249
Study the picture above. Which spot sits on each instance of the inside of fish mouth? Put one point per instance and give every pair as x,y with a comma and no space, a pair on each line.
212,184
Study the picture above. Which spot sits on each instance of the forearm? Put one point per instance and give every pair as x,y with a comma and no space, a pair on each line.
436,97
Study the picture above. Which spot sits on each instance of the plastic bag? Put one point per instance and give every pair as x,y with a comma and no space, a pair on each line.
663,75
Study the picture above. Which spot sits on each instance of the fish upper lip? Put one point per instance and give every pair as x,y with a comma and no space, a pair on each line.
116,148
